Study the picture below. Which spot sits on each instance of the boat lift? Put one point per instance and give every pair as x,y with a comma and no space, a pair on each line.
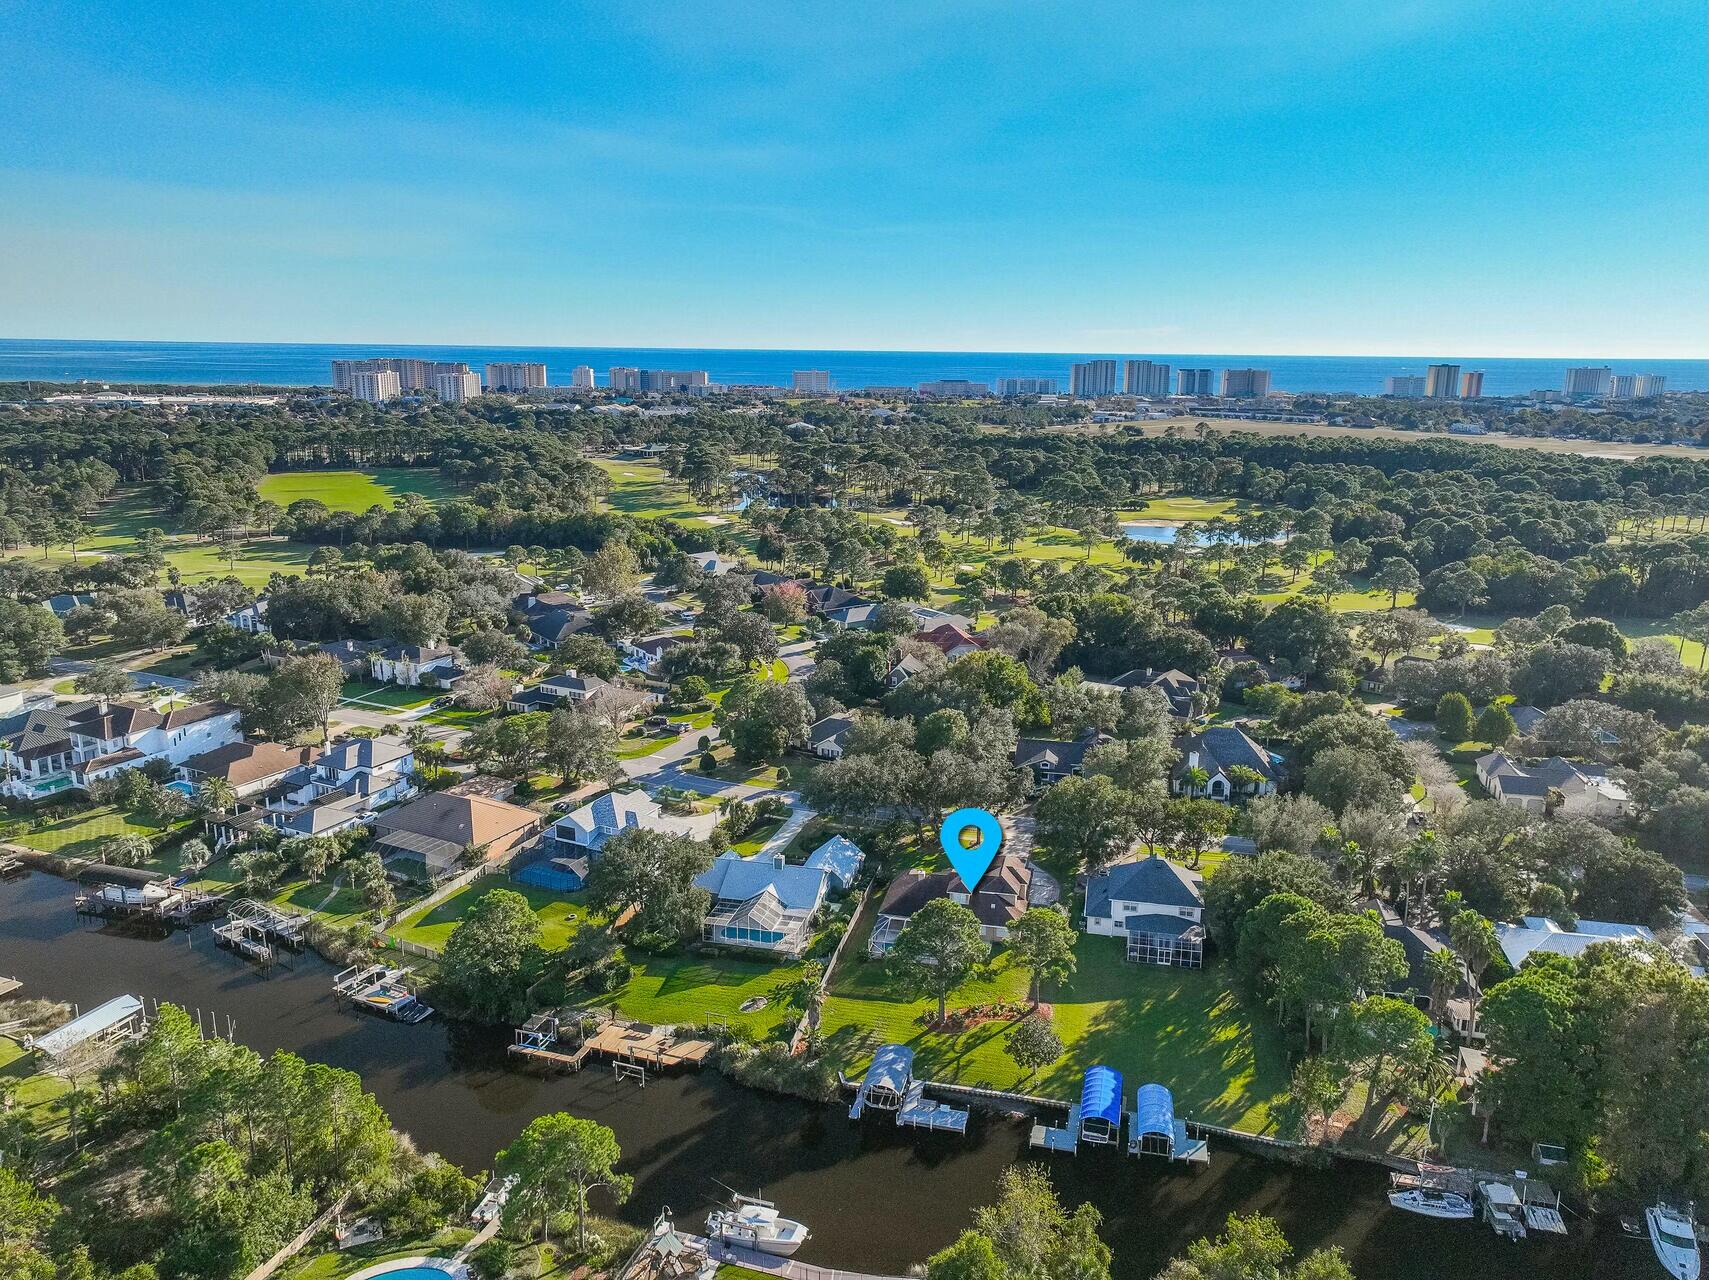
376,988
1155,1130
890,1085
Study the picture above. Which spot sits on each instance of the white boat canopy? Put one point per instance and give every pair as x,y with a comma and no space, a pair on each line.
87,1026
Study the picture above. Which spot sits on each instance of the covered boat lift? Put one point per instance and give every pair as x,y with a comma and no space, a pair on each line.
889,1085
1155,1130
1097,1117
117,1019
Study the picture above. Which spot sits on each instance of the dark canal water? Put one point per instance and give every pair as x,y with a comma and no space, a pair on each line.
876,1198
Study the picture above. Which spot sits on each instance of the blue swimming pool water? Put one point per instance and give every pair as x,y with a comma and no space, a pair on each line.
415,1273
182,788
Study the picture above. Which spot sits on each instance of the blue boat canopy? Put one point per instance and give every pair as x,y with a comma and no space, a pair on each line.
892,1067
1154,1110
1101,1095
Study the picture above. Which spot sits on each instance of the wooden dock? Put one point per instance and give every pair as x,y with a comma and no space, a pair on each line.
548,1040
8,986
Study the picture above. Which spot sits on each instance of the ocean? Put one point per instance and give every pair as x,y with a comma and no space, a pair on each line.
309,364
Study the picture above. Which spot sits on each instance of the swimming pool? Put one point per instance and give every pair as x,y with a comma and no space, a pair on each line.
414,1269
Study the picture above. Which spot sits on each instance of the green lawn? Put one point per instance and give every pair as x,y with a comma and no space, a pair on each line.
356,490
378,693
36,1094
645,489
696,989
1181,1027
559,914
82,834
751,843
338,1264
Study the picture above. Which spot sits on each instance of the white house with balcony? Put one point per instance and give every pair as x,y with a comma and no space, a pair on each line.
1155,906
47,749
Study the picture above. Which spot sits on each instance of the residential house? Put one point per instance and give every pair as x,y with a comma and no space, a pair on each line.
351,655
550,628
824,600
646,654
762,902
49,748
1267,672
998,900
952,640
576,839
841,859
1218,751
251,617
66,601
343,787
855,614
1535,934
1050,760
1556,785
249,767
1526,718
1155,905
827,738
557,691
713,563
904,670
414,665
1177,687
429,837
927,618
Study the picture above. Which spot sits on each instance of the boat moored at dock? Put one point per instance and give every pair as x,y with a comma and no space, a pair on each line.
752,1223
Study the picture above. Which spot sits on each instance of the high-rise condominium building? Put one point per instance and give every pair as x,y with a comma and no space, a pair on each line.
1196,382
582,376
515,375
945,387
1404,387
376,386
1245,384
1649,384
413,375
624,378
1092,379
812,382
1026,386
1471,384
1588,380
694,380
1624,386
1442,382
454,388
1144,378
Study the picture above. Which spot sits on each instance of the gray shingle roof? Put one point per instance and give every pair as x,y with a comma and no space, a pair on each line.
1224,747
1151,879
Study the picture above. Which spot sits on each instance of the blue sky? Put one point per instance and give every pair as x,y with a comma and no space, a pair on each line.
1496,179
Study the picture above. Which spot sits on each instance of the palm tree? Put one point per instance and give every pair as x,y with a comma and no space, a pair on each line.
216,795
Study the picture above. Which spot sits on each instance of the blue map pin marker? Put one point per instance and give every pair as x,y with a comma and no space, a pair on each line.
971,864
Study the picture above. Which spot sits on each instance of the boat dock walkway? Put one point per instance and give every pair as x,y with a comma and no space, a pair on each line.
1065,1138
785,1268
542,1039
256,929
376,988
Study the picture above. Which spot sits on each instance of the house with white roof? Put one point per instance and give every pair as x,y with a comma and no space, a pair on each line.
1584,790
47,748
762,902
1155,905
1539,934
841,858
714,563
575,840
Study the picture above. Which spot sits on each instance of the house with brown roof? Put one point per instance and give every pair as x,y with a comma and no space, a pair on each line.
249,766
427,837
998,900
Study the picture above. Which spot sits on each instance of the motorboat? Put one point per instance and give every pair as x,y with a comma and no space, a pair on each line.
751,1223
1675,1241
1432,1202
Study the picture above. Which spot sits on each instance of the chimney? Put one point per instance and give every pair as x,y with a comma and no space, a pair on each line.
778,860
1192,759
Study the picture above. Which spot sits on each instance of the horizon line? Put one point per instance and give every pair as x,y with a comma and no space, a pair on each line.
922,351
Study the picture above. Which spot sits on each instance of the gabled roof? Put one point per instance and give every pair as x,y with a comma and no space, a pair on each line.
1535,933
1151,879
416,653
914,889
556,625
948,637
1001,896
1054,755
733,878
1526,718
456,820
1223,747
241,763
839,856
831,728
365,753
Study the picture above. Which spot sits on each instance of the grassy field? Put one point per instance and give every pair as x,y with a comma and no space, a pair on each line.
696,989
560,915
338,1264
391,697
356,490
37,1095
644,489
82,834
1181,1027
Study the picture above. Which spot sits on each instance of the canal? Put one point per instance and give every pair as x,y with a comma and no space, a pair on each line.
876,1198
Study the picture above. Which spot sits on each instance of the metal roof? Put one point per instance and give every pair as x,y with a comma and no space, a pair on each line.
116,1012
1154,1110
892,1067
1101,1095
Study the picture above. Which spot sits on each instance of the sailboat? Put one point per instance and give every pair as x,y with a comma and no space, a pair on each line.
1675,1241
751,1223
